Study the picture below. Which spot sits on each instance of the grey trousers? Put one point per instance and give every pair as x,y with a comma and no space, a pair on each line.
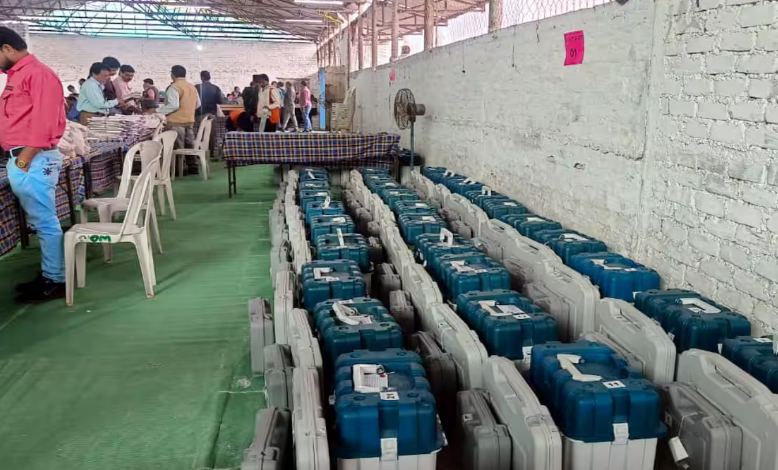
289,114
185,139
185,136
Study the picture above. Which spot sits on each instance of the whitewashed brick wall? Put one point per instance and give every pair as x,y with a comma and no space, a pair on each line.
231,63
567,141
664,143
715,192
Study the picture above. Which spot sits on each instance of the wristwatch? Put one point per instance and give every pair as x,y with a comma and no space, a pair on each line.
21,164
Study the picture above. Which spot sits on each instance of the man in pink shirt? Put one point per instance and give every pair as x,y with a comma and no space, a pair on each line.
121,85
32,120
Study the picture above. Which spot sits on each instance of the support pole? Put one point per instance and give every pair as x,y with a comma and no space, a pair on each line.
374,37
495,15
360,39
395,31
429,24
347,37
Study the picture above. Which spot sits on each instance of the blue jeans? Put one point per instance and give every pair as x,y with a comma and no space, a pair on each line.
36,190
307,118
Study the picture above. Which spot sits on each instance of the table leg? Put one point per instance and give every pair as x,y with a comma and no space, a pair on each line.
232,179
229,179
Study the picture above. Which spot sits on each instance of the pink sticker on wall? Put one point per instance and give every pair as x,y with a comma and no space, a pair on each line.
391,76
574,48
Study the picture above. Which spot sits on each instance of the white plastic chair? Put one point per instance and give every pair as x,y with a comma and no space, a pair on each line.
132,230
163,182
159,129
106,207
200,150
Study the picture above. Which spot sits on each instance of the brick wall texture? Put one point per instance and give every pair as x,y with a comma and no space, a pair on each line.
664,143
231,63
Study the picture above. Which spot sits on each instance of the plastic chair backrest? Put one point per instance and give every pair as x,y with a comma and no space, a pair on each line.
168,141
159,129
148,151
204,134
141,197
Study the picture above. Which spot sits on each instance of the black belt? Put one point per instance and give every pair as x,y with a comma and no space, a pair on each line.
7,153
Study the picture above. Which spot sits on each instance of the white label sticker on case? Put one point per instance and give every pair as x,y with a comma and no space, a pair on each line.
613,384
390,396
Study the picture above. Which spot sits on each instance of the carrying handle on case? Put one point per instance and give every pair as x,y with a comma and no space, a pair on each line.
369,378
725,373
341,242
345,315
568,361
446,237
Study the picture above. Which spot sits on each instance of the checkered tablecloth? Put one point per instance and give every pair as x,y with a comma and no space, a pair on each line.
104,165
9,216
220,132
314,148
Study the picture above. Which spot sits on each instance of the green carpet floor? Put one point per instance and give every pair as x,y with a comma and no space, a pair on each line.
119,382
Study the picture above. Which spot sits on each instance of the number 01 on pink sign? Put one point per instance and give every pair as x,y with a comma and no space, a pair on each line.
574,48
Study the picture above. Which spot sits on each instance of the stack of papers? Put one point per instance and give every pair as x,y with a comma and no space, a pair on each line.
120,128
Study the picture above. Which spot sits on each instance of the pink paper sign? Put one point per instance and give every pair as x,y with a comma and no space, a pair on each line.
391,76
574,48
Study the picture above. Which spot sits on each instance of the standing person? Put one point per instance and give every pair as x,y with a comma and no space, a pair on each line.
305,105
269,104
236,91
150,97
289,98
91,100
251,96
210,96
282,93
181,102
113,65
32,122
81,83
72,90
121,86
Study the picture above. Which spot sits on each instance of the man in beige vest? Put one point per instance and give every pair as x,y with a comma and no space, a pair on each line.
181,101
